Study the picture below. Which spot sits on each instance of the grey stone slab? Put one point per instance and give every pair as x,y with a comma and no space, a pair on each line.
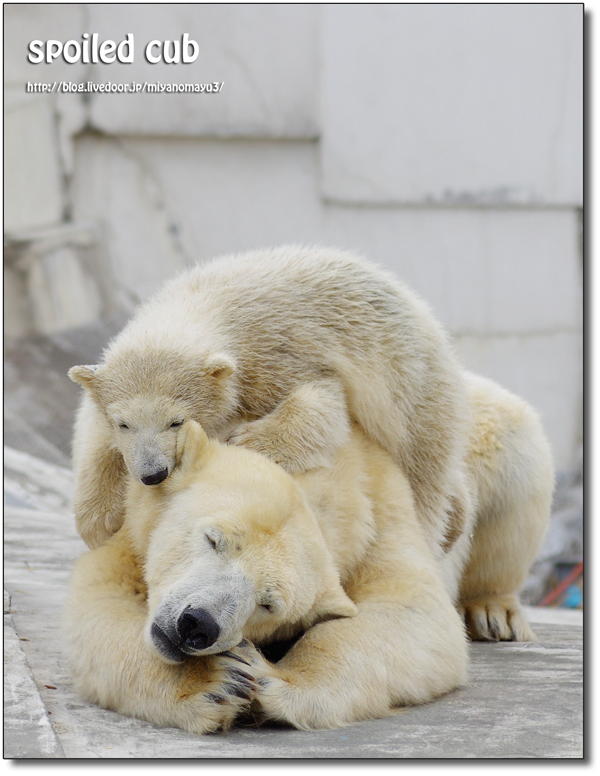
522,700
28,732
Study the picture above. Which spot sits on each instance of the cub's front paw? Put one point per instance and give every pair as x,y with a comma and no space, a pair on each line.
256,435
291,451
96,528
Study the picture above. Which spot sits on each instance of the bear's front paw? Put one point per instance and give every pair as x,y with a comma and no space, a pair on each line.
271,692
233,683
215,689
278,698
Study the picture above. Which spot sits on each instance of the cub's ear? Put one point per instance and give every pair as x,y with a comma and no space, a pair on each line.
332,604
219,365
192,447
84,375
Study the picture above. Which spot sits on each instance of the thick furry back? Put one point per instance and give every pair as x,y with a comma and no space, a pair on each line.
296,314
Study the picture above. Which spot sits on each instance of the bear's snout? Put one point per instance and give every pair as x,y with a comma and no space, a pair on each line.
154,479
197,629
206,612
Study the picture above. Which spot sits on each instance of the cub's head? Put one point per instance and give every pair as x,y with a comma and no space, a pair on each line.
233,552
147,394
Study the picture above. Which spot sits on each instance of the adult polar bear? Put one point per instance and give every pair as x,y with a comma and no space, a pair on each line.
271,350
230,546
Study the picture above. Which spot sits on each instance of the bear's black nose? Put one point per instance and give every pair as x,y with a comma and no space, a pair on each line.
154,479
197,629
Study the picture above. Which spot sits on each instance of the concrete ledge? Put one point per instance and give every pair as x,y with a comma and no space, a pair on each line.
28,732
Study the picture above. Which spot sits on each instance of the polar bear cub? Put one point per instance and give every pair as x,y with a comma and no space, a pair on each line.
231,553
274,350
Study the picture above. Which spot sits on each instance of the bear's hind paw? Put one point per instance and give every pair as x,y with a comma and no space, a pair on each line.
496,619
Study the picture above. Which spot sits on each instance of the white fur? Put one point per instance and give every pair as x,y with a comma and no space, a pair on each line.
337,553
272,350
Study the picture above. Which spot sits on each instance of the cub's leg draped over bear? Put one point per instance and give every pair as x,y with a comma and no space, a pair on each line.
230,547
273,350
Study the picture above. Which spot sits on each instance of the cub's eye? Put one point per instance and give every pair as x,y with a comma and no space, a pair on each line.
176,424
124,426
266,607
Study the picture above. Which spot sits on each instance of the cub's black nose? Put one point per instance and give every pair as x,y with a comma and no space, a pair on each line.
154,479
197,629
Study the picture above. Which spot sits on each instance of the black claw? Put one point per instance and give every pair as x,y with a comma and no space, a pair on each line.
494,631
215,698
235,657
239,672
240,692
245,687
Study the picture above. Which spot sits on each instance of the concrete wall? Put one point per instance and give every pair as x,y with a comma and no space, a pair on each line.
444,141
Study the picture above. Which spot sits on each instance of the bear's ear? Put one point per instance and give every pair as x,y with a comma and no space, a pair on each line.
84,375
219,365
192,445
332,604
